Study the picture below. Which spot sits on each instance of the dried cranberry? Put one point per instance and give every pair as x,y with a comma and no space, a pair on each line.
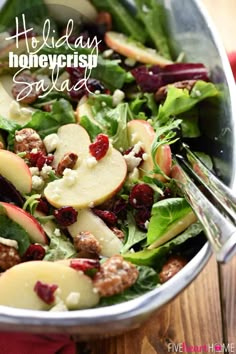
43,206
141,196
107,216
77,76
38,159
66,216
141,218
99,148
34,253
84,264
137,154
45,291
120,208
44,160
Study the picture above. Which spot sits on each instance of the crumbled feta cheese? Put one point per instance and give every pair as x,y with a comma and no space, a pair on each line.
8,242
34,171
60,306
72,299
197,93
132,161
69,177
45,171
91,161
103,104
146,224
34,151
97,92
117,97
137,147
130,61
145,156
107,53
57,232
51,142
37,183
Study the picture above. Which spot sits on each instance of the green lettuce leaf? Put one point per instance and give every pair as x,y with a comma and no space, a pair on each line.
11,230
110,73
152,14
134,235
122,20
156,257
147,280
121,114
46,123
179,101
164,215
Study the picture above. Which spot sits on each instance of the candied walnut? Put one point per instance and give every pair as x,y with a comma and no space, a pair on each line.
87,242
28,139
173,265
9,257
119,233
160,95
25,90
68,161
115,276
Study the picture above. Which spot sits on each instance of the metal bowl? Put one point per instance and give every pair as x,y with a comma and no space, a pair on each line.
190,31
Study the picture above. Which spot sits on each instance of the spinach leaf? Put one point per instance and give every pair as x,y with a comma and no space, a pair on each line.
92,129
46,123
110,73
147,280
13,231
164,215
179,101
134,234
122,20
189,125
121,114
33,9
156,257
152,14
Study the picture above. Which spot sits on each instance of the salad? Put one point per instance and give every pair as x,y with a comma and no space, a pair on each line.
90,214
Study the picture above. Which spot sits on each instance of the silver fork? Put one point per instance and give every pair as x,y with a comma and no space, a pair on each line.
219,220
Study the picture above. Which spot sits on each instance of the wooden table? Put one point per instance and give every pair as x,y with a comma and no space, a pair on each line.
205,313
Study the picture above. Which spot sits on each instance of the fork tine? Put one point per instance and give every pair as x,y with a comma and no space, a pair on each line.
224,195
219,230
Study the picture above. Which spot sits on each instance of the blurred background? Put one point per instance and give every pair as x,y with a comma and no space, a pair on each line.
223,13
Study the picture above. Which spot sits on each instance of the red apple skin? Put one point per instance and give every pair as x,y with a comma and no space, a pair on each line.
144,132
120,43
23,182
27,222
164,161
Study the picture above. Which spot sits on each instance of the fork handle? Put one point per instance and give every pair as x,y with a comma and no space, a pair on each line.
220,232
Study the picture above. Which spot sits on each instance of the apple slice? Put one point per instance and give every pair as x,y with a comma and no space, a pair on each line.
14,168
92,184
63,11
21,48
72,138
135,50
17,286
27,222
88,221
10,108
141,131
84,109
